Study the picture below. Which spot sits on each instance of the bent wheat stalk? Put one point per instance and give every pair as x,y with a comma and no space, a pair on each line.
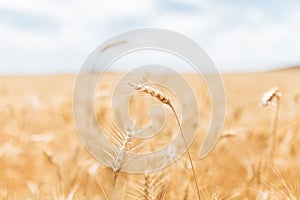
163,98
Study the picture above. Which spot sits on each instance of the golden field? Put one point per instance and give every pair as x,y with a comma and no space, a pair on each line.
41,156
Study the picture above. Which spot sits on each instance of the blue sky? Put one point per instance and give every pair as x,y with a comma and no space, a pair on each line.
52,36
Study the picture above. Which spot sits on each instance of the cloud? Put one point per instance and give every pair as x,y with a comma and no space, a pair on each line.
28,21
57,36
258,44
240,38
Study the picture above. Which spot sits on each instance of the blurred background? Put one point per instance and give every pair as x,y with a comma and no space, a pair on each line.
56,36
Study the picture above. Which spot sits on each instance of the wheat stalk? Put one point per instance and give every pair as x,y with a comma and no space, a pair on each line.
273,96
163,98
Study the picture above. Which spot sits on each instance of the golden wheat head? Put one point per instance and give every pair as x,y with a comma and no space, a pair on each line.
270,95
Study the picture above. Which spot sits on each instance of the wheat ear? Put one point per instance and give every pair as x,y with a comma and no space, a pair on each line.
153,186
270,96
163,98
125,140
120,154
154,189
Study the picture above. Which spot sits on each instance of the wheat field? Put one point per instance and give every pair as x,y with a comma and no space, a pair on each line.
41,156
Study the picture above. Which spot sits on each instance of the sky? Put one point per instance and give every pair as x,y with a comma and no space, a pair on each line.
56,36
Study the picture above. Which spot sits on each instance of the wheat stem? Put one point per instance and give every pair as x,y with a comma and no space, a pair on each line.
188,152
268,98
274,128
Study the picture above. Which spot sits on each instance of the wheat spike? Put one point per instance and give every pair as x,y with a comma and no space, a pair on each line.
153,186
121,154
153,92
123,139
270,95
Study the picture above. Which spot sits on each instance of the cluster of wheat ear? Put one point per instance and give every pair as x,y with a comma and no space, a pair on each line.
258,156
153,189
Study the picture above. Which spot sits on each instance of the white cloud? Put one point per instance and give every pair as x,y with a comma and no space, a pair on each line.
259,46
240,38
82,27
235,37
